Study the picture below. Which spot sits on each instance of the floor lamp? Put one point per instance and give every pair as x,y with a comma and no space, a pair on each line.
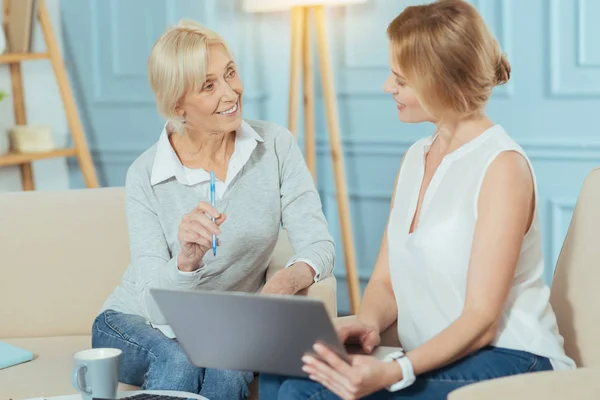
301,58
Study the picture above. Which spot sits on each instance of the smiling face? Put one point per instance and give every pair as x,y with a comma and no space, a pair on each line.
409,108
216,105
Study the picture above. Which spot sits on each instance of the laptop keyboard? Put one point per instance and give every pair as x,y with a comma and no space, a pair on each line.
149,396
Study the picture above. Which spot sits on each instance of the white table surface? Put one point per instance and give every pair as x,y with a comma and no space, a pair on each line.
130,393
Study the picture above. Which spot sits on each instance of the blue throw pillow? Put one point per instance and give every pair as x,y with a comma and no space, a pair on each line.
11,355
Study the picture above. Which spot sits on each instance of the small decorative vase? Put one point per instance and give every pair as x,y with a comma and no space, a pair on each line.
4,147
2,40
31,138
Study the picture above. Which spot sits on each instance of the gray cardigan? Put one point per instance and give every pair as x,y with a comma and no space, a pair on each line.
274,188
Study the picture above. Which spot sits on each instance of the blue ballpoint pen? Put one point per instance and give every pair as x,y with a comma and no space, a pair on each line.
212,203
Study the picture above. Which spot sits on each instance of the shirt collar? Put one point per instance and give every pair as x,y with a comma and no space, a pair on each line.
167,165
248,131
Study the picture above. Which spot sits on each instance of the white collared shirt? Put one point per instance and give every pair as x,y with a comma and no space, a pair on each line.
167,164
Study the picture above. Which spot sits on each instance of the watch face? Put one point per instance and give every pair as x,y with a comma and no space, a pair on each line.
393,356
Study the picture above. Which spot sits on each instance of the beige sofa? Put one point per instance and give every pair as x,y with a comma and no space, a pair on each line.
62,254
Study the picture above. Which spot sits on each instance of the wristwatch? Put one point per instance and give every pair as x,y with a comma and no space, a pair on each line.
408,373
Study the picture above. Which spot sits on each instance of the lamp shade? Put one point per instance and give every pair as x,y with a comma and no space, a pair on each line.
279,5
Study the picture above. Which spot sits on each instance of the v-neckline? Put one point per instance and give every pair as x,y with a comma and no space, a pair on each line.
416,219
448,158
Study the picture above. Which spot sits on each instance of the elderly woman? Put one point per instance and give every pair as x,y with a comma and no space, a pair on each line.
262,183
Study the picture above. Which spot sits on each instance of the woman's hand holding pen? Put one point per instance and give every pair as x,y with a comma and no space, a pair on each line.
195,235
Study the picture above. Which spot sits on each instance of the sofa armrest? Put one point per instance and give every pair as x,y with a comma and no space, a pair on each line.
581,383
326,291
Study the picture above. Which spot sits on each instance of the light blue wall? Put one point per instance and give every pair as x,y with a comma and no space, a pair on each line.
550,105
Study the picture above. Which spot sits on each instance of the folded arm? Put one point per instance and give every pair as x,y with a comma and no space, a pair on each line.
302,217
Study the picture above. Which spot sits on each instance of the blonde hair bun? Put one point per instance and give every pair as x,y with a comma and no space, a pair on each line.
503,71
448,55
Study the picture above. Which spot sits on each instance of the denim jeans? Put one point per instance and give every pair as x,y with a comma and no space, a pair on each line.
155,362
487,363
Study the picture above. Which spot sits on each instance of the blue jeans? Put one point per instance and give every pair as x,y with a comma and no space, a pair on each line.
155,362
487,363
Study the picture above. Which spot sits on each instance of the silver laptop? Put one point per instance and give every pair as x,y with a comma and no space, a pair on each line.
247,332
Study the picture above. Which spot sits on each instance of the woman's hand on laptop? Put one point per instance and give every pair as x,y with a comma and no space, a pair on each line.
352,330
363,376
195,235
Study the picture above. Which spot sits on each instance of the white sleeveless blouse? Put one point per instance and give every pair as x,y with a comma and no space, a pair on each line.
429,267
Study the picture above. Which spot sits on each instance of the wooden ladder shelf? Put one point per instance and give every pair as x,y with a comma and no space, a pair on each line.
80,149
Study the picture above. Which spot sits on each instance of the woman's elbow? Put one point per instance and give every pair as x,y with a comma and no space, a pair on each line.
329,249
488,327
489,335
324,254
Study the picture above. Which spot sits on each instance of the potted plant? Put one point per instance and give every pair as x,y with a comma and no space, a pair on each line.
3,94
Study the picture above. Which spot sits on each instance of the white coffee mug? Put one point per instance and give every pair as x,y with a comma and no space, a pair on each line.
96,373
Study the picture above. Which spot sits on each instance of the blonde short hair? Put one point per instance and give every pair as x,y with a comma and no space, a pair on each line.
448,55
178,63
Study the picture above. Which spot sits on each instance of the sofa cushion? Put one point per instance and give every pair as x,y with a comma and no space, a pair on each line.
65,252
49,373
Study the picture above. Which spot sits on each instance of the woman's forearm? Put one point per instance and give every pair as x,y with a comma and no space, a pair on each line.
469,333
378,307
301,276
290,280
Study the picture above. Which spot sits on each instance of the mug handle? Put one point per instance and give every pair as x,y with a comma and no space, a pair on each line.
78,379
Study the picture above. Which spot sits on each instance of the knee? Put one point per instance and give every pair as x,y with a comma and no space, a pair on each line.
99,336
269,385
300,389
291,389
173,372
226,384
239,377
